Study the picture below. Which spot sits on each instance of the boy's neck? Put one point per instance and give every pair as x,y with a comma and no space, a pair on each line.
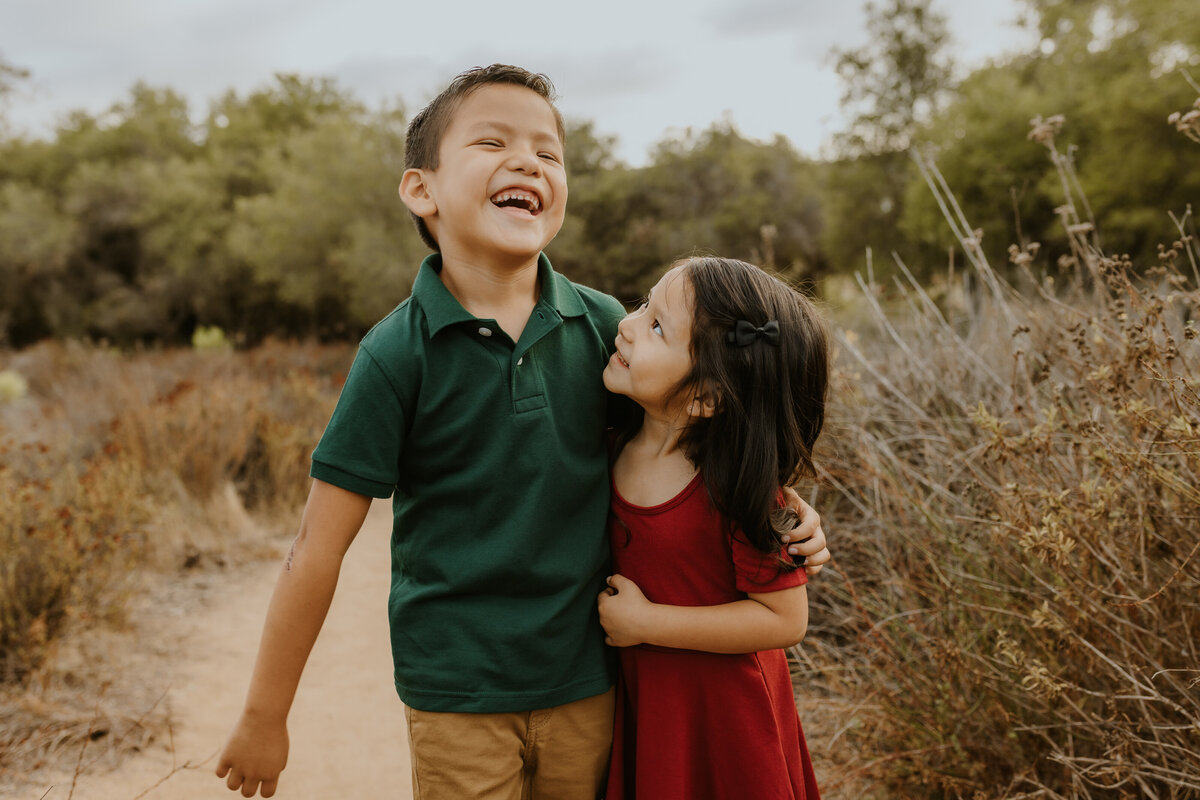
506,293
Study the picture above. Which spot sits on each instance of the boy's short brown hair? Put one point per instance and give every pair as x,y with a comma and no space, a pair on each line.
424,137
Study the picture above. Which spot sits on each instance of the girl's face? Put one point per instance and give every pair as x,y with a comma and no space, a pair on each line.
653,348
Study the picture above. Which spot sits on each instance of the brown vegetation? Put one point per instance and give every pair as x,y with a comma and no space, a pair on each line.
1016,523
114,466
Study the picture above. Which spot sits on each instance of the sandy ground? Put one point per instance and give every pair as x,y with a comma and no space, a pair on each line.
346,727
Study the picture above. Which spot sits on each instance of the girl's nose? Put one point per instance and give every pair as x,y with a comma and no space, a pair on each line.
623,327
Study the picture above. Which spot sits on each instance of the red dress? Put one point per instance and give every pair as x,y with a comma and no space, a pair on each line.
701,726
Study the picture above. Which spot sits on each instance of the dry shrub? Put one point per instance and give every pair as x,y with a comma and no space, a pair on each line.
1016,515
68,531
115,461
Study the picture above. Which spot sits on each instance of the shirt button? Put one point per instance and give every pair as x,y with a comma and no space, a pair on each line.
485,331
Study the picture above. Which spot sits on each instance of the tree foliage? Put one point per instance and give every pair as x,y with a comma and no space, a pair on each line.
893,86
10,75
898,80
275,212
1112,70
275,215
712,190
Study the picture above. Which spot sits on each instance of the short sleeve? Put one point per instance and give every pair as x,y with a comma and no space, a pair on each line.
360,448
756,572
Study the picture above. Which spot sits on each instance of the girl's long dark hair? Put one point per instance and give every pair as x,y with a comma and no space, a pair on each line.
770,400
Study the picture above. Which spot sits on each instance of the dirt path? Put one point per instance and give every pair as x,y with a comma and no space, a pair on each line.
346,727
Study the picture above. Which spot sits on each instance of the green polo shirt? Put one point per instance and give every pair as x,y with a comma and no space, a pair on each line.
493,452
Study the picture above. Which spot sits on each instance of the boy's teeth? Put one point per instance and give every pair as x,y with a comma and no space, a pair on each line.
530,200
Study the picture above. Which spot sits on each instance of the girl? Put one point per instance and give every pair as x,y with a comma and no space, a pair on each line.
729,367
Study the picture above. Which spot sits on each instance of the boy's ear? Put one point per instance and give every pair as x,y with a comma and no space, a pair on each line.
705,403
416,193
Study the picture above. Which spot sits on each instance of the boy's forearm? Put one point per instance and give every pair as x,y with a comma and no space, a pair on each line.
298,607
303,594
744,626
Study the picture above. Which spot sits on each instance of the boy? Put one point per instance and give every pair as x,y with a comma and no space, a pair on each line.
478,406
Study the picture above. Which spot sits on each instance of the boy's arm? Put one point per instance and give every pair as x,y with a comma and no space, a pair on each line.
257,748
807,538
762,622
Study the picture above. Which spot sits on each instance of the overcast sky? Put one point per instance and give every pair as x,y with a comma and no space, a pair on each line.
640,69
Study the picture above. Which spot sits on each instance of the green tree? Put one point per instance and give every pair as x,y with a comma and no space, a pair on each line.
330,238
862,199
36,244
591,167
182,218
892,86
277,215
10,75
707,191
240,131
898,80
152,124
1112,70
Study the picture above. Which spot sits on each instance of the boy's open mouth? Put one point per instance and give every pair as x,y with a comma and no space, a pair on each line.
518,198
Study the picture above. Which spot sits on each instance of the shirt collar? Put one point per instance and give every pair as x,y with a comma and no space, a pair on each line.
443,310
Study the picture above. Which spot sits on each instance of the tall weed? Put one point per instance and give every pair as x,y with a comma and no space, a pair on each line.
1016,515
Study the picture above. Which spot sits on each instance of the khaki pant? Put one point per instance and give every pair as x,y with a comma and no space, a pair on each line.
558,753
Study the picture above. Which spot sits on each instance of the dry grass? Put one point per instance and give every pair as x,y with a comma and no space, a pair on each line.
1016,520
115,467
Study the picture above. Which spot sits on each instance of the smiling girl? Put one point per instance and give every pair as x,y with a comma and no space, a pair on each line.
729,367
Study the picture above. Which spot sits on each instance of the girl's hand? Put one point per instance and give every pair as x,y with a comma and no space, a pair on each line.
807,539
622,608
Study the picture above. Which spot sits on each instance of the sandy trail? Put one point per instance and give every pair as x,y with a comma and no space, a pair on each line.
346,727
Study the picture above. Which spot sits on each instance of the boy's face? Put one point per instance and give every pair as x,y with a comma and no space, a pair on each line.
501,186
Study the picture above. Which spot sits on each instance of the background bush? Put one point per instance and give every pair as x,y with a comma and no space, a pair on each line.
105,446
1017,529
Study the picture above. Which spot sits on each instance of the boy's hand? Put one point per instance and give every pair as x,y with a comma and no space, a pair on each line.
254,756
807,538
622,606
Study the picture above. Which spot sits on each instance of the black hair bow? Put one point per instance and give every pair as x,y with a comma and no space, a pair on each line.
745,333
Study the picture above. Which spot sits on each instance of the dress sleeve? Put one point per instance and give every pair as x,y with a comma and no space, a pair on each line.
756,572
